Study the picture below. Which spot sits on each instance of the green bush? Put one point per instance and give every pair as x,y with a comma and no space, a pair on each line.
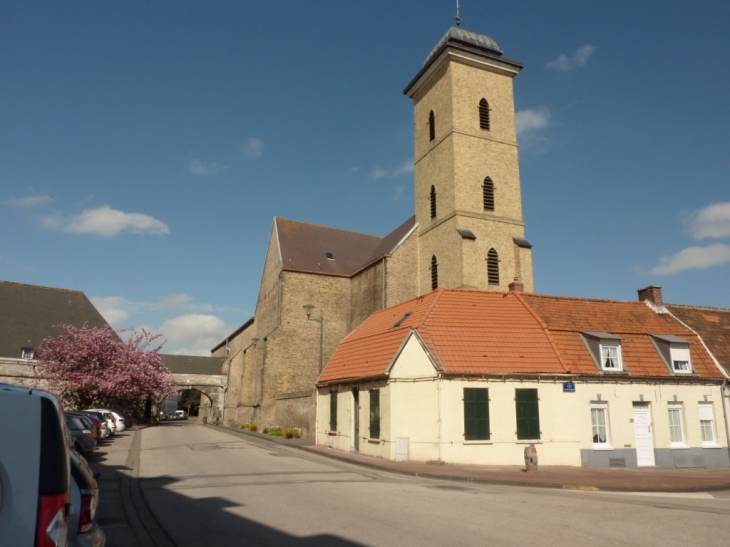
292,433
275,431
251,427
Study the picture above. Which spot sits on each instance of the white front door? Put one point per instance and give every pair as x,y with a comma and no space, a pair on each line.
644,440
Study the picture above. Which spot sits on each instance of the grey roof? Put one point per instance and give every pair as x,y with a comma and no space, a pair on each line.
460,36
466,234
193,364
671,338
522,242
28,314
603,335
305,247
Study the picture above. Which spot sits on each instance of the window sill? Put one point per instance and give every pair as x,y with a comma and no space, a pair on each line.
478,441
526,441
598,447
679,446
711,445
332,433
375,441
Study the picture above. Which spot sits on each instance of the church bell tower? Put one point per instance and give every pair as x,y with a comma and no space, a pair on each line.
468,200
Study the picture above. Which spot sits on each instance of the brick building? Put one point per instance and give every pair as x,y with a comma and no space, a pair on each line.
467,232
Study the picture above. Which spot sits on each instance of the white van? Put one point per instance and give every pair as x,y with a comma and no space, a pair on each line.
181,415
34,469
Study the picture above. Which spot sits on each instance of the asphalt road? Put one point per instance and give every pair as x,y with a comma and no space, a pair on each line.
186,485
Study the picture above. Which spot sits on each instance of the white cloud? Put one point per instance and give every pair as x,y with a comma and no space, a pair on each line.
27,202
253,148
564,63
532,119
377,173
112,309
693,258
197,167
194,334
404,168
107,222
712,221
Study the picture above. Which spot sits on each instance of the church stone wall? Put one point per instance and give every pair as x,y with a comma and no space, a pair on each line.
402,272
290,357
436,95
267,307
366,293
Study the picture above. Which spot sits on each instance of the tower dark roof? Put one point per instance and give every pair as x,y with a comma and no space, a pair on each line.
465,38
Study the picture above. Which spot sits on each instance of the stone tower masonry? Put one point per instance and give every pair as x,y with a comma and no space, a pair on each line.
467,184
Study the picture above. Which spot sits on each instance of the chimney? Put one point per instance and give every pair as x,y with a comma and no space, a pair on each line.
517,286
652,293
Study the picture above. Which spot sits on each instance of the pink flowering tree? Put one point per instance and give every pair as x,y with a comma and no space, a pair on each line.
92,367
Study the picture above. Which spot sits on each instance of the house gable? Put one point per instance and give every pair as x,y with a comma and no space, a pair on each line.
412,360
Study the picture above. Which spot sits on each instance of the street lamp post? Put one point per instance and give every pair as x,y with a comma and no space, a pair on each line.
308,309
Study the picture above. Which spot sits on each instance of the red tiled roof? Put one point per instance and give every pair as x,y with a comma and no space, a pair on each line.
465,331
633,322
475,332
712,324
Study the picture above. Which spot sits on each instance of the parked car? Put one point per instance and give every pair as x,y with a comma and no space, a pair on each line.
181,415
35,476
83,531
118,418
83,437
91,422
107,417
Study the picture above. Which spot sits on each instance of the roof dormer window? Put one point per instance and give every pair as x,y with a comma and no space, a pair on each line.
611,355
674,352
27,353
605,348
329,256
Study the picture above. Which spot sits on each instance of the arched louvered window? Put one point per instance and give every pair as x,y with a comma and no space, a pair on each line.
431,126
484,114
432,201
488,194
434,273
493,267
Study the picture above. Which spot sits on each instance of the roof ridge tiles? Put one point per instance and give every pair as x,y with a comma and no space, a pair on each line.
277,219
40,287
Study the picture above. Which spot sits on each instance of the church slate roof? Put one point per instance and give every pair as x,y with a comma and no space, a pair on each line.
329,251
193,364
476,332
28,314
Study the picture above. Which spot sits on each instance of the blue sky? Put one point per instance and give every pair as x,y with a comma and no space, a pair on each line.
145,147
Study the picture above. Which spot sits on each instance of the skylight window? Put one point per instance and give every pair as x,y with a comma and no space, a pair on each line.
400,321
330,256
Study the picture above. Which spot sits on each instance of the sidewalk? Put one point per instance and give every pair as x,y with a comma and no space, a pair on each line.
635,479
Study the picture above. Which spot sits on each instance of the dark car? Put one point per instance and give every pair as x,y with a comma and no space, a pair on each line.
89,421
83,437
83,531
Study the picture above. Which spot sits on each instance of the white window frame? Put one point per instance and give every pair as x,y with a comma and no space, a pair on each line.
679,354
706,414
676,410
608,345
27,353
601,445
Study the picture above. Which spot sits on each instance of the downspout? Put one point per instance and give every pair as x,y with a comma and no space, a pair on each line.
723,389
439,379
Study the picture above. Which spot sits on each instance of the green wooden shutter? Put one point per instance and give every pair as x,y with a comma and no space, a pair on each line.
528,416
374,413
333,411
476,414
